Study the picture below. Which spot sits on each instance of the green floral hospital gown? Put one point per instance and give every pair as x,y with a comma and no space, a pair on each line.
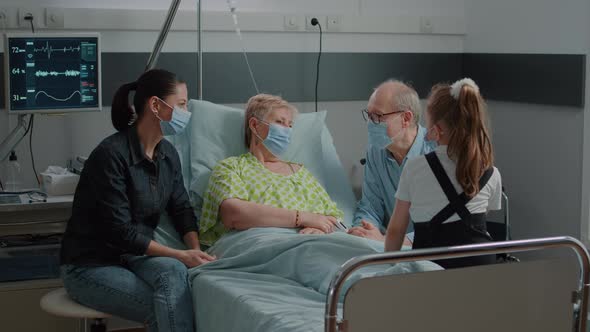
245,178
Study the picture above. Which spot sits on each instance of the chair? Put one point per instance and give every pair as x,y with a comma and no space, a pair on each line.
57,302
500,231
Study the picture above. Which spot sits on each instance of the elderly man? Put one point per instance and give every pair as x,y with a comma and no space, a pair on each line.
393,115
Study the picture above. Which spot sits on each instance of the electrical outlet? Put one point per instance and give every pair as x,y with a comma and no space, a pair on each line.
334,23
426,25
292,23
321,19
4,19
26,11
54,18
7,17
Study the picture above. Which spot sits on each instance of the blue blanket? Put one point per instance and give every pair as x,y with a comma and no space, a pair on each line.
309,260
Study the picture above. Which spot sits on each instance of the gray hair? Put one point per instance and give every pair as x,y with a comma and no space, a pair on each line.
406,99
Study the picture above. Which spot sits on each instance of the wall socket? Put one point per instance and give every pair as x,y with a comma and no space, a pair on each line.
334,23
24,12
54,18
426,25
4,19
292,22
321,19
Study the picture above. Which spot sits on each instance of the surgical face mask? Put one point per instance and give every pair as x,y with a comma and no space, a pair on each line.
278,138
378,134
177,123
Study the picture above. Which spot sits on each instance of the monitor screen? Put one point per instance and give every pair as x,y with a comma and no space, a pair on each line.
52,73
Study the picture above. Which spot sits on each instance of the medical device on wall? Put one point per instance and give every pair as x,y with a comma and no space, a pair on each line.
52,73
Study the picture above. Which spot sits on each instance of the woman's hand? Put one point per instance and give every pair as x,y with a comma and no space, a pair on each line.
194,257
310,230
325,224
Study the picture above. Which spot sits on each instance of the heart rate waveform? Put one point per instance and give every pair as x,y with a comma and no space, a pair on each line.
55,98
49,49
69,73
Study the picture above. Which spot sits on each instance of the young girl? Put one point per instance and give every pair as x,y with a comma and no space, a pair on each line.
448,192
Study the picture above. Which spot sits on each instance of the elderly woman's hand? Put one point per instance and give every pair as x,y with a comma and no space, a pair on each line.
323,223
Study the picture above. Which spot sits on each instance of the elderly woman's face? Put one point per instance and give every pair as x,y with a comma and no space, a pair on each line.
280,116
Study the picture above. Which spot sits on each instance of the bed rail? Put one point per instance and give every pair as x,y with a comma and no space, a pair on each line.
331,319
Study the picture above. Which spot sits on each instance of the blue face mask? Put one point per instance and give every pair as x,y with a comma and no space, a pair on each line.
378,134
278,138
179,121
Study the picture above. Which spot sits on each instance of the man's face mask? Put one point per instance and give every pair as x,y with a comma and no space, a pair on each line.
278,138
177,123
378,135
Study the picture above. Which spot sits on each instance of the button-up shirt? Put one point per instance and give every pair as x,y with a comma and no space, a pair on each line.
119,199
381,179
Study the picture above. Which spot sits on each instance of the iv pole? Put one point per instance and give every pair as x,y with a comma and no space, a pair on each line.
164,33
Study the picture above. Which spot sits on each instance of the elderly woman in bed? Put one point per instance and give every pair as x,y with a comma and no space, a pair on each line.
258,189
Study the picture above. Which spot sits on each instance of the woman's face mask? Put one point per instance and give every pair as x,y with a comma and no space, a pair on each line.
278,138
178,122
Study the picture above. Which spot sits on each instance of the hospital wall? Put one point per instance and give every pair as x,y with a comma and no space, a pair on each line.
541,150
58,138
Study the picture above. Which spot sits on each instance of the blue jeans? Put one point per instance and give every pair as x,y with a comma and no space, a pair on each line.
150,290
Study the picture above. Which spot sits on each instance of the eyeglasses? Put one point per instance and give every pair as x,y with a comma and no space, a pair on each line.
376,118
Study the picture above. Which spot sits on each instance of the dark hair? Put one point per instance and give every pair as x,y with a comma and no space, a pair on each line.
155,82
470,145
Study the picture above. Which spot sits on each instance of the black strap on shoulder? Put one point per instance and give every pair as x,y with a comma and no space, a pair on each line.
457,203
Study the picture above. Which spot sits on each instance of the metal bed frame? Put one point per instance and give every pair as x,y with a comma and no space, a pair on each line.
332,324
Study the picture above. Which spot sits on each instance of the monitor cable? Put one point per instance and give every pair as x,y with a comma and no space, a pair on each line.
314,22
31,126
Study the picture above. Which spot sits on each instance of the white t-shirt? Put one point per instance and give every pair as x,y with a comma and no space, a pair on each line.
419,186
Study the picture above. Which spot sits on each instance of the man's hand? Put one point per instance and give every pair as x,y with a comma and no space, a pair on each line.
368,231
311,230
194,257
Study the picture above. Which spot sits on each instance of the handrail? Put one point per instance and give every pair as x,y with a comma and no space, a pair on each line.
331,318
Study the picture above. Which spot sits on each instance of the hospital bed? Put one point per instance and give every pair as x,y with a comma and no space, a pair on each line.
242,301
229,299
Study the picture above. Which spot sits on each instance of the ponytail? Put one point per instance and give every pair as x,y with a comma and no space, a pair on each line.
156,82
462,109
123,114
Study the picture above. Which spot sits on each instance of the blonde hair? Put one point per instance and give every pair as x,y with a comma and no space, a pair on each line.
465,117
258,107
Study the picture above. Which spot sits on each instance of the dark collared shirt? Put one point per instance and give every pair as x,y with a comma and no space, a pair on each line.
119,199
